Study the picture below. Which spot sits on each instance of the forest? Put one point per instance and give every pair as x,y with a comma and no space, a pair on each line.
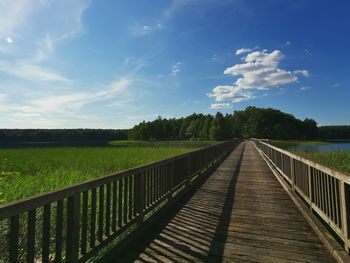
60,135
252,122
340,132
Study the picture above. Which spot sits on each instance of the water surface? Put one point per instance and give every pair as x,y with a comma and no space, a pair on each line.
340,146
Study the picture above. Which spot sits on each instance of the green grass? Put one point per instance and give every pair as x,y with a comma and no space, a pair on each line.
33,170
337,160
286,144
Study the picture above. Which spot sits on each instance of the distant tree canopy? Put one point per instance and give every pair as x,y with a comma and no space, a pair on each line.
249,123
341,132
61,135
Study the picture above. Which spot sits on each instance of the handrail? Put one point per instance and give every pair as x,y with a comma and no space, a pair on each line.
74,223
326,191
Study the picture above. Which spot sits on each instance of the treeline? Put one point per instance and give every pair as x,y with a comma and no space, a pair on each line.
340,132
61,135
252,122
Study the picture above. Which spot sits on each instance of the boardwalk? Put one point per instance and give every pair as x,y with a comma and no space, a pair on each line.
240,214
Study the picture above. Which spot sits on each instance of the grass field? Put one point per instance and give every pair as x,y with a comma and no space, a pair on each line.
338,160
31,170
286,144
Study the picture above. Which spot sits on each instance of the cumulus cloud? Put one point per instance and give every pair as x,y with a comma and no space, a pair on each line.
242,51
260,71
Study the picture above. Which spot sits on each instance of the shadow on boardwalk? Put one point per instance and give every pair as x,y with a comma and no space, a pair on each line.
196,227
239,214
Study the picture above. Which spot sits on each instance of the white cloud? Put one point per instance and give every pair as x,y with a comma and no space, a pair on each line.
287,43
304,88
242,51
143,30
53,107
30,72
175,69
233,94
260,71
305,73
218,106
9,40
30,22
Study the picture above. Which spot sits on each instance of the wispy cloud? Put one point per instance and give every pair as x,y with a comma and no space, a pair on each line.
23,20
30,72
9,40
176,69
57,106
143,30
243,50
305,88
304,73
260,71
335,85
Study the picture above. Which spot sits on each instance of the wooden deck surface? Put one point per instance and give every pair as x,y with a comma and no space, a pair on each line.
240,214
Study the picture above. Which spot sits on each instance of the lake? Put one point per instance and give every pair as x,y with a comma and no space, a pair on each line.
340,146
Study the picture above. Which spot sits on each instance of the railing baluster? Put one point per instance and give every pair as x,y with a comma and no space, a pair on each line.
131,181
59,231
100,213
120,203
93,218
108,210
125,203
13,236
114,206
73,214
84,222
121,199
31,236
46,234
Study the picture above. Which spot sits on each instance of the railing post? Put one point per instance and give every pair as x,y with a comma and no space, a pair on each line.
344,206
292,172
73,214
310,186
188,167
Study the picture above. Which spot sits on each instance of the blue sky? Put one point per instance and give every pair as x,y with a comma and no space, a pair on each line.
112,64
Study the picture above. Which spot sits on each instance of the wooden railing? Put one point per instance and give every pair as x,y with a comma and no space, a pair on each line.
327,192
72,224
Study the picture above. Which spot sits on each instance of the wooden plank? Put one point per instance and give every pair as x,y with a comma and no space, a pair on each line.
240,210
